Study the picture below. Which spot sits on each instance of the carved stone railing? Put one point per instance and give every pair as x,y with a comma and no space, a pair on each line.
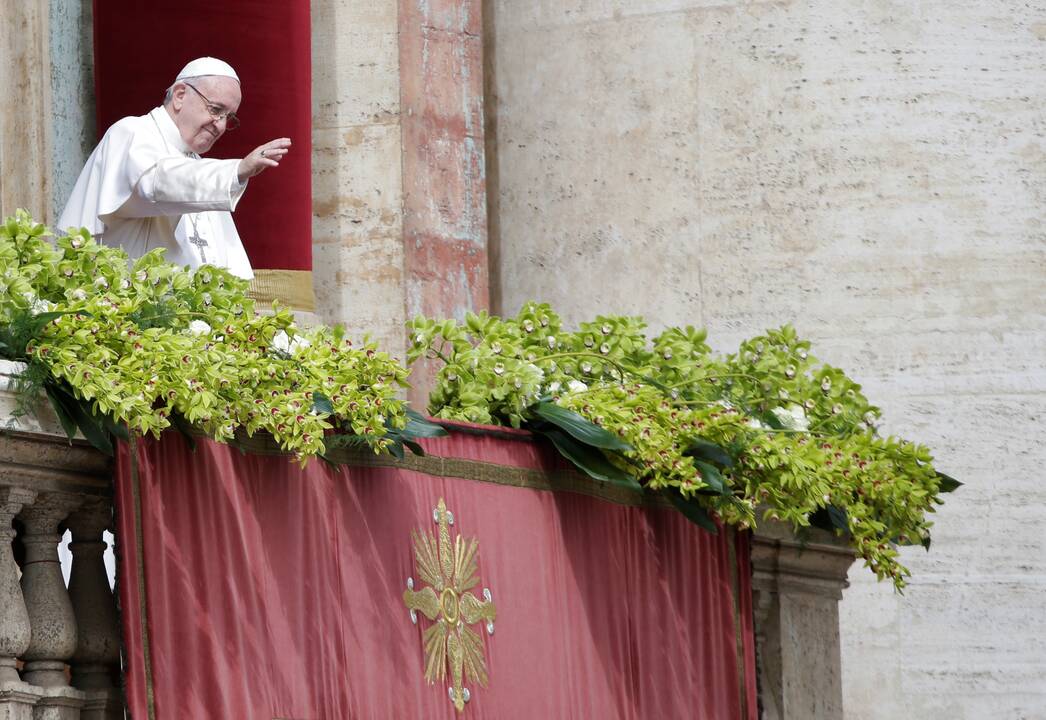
59,648
67,643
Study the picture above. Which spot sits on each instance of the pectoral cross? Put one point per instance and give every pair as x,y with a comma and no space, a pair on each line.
199,242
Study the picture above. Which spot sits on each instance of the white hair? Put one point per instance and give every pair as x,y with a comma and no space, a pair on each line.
170,91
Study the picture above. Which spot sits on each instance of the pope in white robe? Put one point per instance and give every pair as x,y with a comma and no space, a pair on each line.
146,185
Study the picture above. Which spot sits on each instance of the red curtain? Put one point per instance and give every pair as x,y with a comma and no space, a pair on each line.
141,46
252,588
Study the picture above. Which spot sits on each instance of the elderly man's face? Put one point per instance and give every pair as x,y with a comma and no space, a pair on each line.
194,115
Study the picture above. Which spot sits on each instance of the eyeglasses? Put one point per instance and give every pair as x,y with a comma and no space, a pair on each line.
217,114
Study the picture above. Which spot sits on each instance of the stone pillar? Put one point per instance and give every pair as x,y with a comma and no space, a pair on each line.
25,86
796,588
97,653
51,618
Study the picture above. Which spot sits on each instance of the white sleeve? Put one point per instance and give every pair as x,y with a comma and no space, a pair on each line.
180,185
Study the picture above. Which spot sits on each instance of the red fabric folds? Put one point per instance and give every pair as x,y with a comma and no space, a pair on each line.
271,591
139,47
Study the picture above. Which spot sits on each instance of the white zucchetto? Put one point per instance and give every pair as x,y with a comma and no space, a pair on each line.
207,66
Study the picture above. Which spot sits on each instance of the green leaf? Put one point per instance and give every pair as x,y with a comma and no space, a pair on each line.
947,483
322,404
830,518
414,447
588,459
587,432
396,449
419,426
39,321
85,420
709,451
692,511
712,477
926,543
68,424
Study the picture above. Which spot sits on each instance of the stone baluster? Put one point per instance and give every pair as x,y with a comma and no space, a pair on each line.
51,618
97,653
96,662
796,588
14,618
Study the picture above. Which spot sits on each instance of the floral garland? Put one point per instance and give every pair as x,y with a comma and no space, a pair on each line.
153,344
766,427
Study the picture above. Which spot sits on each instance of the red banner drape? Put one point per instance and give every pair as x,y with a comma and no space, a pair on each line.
253,588
139,47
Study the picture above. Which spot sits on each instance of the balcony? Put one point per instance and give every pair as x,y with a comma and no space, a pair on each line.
60,646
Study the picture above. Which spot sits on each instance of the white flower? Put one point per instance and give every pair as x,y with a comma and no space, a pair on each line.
553,387
792,417
284,343
40,306
753,423
576,386
199,327
281,341
102,282
78,294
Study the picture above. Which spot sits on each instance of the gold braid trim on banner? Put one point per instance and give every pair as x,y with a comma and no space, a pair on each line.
292,288
477,470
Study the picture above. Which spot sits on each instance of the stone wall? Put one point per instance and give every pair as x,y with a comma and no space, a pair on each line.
357,180
872,172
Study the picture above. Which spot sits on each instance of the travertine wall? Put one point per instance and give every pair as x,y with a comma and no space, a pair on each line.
357,180
873,172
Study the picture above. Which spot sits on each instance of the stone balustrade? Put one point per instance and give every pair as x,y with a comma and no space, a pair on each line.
66,643
59,647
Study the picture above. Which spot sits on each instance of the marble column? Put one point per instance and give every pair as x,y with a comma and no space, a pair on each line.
52,622
796,587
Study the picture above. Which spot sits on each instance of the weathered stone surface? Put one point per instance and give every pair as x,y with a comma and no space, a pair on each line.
357,161
17,700
796,588
25,85
14,618
872,172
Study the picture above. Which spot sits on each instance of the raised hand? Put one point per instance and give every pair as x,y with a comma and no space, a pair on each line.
263,157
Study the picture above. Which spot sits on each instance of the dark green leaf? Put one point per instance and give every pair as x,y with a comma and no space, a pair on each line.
926,543
115,428
692,511
396,448
588,459
712,477
39,321
947,483
321,403
419,426
414,447
326,459
704,450
68,424
830,518
85,420
587,432
838,518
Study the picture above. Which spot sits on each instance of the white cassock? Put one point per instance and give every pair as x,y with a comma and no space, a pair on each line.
143,188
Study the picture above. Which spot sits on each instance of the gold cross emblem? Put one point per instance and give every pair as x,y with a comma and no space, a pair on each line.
450,574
